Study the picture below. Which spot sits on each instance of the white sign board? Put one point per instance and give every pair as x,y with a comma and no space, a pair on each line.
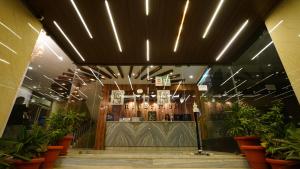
117,97
163,97
162,81
202,87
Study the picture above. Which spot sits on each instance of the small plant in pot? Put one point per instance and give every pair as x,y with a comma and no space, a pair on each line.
63,123
270,125
242,123
26,150
285,153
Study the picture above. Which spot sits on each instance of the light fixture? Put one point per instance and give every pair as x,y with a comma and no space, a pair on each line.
261,80
187,98
117,86
269,65
69,41
28,78
4,61
191,76
264,96
176,89
33,28
231,76
213,18
133,74
147,50
151,66
181,25
34,87
81,19
96,77
232,39
7,47
30,67
9,29
47,45
147,7
236,86
262,50
275,26
283,93
130,82
113,25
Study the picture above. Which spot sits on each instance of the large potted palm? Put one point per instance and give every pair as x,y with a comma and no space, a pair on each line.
241,123
284,153
270,126
26,150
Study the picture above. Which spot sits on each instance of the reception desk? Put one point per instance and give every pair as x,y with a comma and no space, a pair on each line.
150,134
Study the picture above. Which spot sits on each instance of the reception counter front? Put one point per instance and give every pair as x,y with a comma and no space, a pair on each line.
150,134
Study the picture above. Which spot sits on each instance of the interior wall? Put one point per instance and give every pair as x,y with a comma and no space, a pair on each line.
286,38
15,54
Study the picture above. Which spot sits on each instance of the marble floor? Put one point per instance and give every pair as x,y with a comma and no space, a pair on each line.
146,158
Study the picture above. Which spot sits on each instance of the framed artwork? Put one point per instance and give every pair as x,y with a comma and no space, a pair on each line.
163,97
117,97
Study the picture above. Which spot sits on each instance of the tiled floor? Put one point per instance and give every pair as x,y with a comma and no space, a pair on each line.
145,158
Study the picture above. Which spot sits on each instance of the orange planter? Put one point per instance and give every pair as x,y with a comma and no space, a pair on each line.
51,156
33,164
255,156
283,164
65,142
247,141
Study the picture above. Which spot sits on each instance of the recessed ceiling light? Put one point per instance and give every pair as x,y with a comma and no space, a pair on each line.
9,29
147,7
171,73
147,50
30,67
118,74
4,61
213,18
113,25
232,40
191,76
69,41
269,65
231,76
263,49
257,75
151,66
7,47
81,19
181,25
275,26
34,87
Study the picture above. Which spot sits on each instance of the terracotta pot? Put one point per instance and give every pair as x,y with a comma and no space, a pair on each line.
51,156
255,156
33,164
65,142
282,164
247,141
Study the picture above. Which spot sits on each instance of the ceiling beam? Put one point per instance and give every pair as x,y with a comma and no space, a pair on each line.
164,73
120,71
140,72
111,71
152,72
101,72
130,71
174,76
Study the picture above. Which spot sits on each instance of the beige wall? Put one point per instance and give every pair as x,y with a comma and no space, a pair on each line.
286,39
16,16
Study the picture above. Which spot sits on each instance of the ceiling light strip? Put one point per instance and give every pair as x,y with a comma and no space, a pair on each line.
54,82
284,97
286,87
117,86
147,7
130,83
261,90
232,40
280,22
261,81
231,97
213,18
7,47
10,30
237,86
96,77
231,76
81,19
113,25
83,82
69,41
264,96
176,89
181,25
283,93
187,98
33,28
263,49
147,50
47,45
75,97
4,61
55,92
28,78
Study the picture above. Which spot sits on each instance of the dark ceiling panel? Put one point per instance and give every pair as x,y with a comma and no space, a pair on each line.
161,27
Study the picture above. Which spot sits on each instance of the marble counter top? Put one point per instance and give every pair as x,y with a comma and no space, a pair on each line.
150,134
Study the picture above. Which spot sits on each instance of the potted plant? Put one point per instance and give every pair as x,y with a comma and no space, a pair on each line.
64,123
242,123
285,153
4,160
27,148
270,126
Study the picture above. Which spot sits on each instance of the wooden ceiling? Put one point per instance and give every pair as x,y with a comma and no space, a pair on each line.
160,27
